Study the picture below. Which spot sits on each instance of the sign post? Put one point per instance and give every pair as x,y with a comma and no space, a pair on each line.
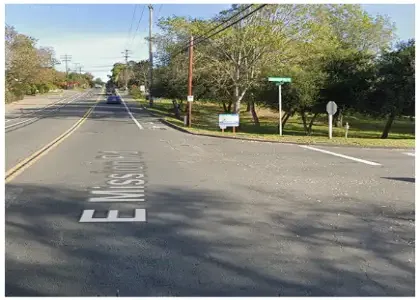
331,110
279,81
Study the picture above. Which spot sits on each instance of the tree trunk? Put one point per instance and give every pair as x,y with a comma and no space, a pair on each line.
227,108
286,117
224,106
254,113
248,107
238,99
312,123
338,118
237,106
388,125
305,126
176,109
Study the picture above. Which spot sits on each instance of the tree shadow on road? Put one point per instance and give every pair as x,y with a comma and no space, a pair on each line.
405,179
201,242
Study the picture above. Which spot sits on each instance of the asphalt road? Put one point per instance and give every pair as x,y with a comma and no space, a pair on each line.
204,216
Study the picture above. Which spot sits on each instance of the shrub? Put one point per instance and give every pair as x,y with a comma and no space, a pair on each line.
136,94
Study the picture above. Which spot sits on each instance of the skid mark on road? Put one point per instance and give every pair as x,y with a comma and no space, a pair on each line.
342,155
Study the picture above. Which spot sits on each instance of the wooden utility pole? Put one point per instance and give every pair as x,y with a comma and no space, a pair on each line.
66,58
150,55
190,76
126,56
76,67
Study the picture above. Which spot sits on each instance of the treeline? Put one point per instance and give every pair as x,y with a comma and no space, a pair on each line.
31,69
332,53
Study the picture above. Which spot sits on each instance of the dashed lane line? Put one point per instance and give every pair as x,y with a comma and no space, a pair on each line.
341,155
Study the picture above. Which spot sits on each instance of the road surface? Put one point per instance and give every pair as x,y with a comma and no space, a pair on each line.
123,204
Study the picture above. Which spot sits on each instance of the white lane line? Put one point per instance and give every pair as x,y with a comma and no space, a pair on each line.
35,118
70,98
131,115
342,155
408,153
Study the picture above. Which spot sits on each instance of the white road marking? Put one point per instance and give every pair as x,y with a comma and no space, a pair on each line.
87,217
34,118
410,154
131,115
342,155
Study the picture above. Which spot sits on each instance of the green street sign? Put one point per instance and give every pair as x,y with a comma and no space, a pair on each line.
280,79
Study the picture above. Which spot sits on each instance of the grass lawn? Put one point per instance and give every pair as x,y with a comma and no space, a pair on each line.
363,131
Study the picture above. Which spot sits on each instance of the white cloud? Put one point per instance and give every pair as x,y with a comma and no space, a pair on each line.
95,53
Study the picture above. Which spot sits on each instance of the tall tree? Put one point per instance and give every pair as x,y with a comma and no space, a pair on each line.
394,92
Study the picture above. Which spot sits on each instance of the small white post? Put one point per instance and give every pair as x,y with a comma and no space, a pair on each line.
280,112
347,129
330,120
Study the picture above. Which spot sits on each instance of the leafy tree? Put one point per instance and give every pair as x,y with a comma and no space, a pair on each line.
117,76
394,90
349,80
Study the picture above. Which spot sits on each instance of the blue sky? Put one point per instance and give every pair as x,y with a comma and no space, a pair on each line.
96,34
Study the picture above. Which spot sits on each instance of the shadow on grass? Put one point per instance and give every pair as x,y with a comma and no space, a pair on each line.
200,242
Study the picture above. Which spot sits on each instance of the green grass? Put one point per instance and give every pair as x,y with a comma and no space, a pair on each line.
363,131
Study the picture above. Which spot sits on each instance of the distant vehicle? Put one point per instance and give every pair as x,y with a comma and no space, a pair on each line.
110,91
98,86
113,99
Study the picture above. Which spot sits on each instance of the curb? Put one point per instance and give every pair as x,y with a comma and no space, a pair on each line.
176,127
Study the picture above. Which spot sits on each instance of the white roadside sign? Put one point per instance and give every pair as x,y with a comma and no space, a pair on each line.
331,110
228,120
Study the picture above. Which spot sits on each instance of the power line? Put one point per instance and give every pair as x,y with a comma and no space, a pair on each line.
78,68
225,21
66,58
138,25
217,26
132,21
224,28
157,15
230,25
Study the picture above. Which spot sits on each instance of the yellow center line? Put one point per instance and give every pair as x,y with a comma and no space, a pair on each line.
26,163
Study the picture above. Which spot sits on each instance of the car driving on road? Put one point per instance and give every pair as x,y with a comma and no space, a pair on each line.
113,99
